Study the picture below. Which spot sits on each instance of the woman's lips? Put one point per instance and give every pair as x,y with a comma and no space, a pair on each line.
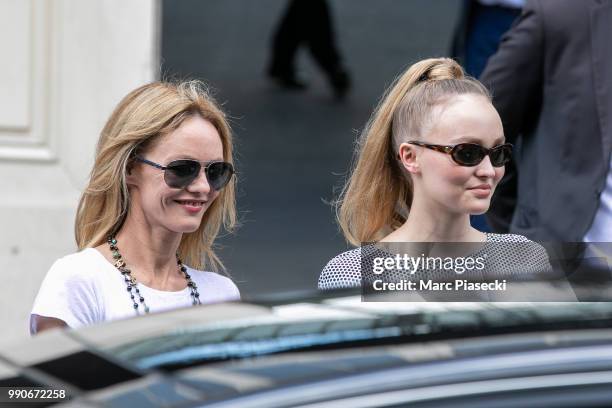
191,206
481,191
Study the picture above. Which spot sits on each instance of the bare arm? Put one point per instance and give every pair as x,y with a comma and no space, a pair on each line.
40,323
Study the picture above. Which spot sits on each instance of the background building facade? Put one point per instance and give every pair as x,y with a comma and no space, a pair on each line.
66,64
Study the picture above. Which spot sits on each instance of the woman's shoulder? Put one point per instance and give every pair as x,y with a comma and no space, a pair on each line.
515,243
509,238
80,264
70,289
214,286
344,270
520,251
346,258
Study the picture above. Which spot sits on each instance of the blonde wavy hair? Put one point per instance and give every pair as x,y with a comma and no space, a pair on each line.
377,196
143,115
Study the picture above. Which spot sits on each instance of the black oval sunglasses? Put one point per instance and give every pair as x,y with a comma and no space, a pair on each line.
471,154
181,173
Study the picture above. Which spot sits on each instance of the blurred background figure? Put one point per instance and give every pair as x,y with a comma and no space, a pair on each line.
307,22
551,81
479,31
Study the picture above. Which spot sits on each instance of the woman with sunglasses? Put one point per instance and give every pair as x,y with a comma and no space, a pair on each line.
160,190
431,155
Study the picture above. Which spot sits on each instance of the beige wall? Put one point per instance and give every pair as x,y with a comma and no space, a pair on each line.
66,64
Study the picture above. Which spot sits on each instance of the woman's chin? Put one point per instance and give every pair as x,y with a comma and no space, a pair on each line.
479,210
186,227
478,206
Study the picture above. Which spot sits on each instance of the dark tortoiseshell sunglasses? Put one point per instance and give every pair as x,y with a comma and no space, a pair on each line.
471,154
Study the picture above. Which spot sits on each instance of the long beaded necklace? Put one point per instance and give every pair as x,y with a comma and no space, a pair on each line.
132,284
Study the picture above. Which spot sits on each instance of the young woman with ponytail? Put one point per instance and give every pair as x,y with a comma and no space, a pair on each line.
431,155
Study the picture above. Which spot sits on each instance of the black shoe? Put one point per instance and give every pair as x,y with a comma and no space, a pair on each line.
287,80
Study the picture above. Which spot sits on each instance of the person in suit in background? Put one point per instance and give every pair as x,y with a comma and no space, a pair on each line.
480,28
477,36
551,81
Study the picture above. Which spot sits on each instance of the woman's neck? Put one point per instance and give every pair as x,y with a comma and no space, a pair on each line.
430,223
150,253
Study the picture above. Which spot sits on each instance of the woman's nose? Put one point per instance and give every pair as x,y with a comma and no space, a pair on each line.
200,184
485,168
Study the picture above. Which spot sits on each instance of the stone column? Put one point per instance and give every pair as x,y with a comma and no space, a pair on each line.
65,65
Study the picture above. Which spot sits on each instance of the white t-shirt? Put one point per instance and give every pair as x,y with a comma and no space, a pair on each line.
85,288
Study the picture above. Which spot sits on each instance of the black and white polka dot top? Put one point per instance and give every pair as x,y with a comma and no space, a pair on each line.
511,255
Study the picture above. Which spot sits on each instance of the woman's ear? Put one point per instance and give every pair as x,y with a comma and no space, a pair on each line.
408,158
130,172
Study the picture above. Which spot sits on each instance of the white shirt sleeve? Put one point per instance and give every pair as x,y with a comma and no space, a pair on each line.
214,287
234,292
68,293
220,289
